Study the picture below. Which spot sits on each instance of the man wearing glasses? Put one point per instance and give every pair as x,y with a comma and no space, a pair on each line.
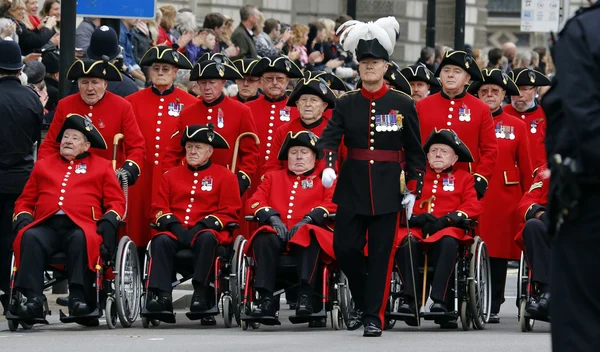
157,110
247,86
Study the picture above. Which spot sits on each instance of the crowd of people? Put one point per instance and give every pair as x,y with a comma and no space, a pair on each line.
279,111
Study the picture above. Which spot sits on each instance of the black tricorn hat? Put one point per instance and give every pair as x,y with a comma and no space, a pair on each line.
366,49
527,77
218,57
204,134
279,64
333,81
245,66
450,138
312,84
104,42
463,60
299,139
84,125
497,77
90,68
211,69
165,55
420,73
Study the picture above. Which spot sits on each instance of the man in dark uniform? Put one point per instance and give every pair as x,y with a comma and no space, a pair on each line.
572,107
376,124
21,112
421,80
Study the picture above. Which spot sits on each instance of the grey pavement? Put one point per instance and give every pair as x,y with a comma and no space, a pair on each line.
190,336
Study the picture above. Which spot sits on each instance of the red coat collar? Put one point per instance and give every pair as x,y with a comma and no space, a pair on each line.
374,95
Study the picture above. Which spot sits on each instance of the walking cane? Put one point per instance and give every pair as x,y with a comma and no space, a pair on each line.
405,191
116,141
120,173
427,201
236,148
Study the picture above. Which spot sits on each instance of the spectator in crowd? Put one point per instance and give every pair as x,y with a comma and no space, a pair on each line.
35,72
126,42
242,35
260,24
535,60
479,57
51,61
8,29
142,41
542,62
32,13
83,34
427,57
51,8
327,44
185,22
154,25
271,41
204,42
221,25
510,51
167,23
296,46
494,58
439,55
227,31
522,59
30,41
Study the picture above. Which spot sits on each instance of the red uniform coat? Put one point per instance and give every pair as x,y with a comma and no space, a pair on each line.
533,201
535,121
293,197
453,192
231,118
439,111
157,116
84,189
511,178
111,115
209,194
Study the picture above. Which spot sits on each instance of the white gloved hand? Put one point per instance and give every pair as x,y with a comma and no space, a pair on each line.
409,202
328,177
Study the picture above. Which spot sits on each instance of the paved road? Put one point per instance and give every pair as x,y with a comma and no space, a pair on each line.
190,336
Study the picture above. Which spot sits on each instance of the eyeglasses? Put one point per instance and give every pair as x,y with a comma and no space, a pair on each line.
165,69
278,79
249,79
492,91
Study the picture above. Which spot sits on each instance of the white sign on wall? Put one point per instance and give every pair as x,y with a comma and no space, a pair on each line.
540,15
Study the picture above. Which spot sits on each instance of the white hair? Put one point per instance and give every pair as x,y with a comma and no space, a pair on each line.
186,21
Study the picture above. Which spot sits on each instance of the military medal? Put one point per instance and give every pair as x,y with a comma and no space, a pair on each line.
378,123
101,124
498,130
448,184
307,183
512,133
284,114
533,127
207,184
81,169
464,114
388,123
220,119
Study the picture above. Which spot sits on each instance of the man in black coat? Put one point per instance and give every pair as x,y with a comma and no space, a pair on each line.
380,128
21,112
572,142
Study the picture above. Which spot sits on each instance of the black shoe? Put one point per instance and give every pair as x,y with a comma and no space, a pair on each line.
407,308
63,301
494,319
438,307
199,304
266,308
32,309
539,307
159,304
304,306
371,330
91,323
293,305
451,324
208,321
78,307
355,320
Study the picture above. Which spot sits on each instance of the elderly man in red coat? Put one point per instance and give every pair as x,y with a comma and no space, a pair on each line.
435,226
72,202
248,85
421,80
469,117
157,110
510,179
195,203
109,112
292,207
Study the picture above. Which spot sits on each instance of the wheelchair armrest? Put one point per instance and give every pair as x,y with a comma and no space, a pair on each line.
331,216
468,224
232,226
250,218
153,226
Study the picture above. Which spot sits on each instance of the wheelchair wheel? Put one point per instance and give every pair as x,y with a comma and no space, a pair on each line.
480,285
111,313
522,280
465,315
525,322
13,325
227,311
337,319
234,279
244,325
345,297
128,286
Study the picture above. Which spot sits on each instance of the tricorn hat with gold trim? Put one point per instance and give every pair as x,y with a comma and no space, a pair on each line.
463,60
279,64
245,66
84,125
203,134
218,57
211,69
527,77
497,77
420,73
450,138
312,83
333,81
165,55
299,139
98,69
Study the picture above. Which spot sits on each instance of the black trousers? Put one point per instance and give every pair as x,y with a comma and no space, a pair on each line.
38,243
7,206
537,250
164,248
575,288
442,256
498,268
369,279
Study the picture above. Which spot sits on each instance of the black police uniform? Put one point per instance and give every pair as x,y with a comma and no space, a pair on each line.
572,146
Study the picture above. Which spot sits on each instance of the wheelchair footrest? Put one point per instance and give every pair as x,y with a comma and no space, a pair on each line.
164,316
10,316
440,316
199,315
63,301
300,319
81,319
536,317
400,316
262,320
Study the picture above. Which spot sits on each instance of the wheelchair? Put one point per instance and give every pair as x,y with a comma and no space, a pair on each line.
472,289
184,265
525,293
117,286
335,295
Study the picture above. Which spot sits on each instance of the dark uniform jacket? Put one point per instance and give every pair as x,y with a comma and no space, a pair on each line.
21,112
371,187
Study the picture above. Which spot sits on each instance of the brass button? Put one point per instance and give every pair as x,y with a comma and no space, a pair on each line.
372,148
372,141
372,161
372,133
373,111
373,118
372,125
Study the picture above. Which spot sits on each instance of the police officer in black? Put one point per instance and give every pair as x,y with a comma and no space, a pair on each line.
21,112
572,108
377,123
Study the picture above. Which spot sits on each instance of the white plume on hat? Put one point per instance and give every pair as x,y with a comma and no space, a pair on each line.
384,30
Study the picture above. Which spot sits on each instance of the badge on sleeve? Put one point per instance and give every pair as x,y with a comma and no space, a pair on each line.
207,183
81,169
